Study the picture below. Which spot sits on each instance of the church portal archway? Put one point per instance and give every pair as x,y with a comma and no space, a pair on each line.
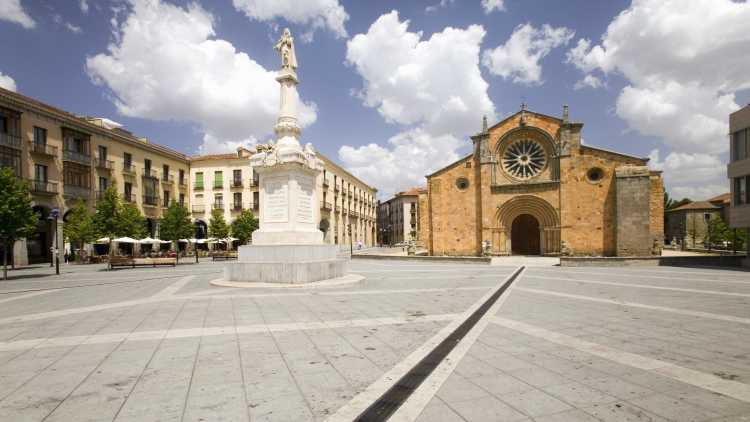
525,235
526,224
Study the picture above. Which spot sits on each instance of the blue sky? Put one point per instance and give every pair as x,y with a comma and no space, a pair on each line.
653,88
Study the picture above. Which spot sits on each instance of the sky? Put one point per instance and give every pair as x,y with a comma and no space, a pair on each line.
392,90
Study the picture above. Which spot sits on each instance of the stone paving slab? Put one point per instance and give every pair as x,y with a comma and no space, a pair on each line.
161,344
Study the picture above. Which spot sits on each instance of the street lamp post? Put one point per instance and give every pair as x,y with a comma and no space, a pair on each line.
54,215
351,245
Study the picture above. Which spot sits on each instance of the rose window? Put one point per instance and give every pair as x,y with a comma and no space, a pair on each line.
524,159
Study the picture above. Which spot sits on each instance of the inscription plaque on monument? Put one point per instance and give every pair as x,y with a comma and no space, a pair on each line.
276,202
304,202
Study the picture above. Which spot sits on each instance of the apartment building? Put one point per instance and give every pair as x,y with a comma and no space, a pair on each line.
228,182
66,158
738,170
222,181
398,217
348,207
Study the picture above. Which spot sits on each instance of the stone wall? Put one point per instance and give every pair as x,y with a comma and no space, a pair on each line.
633,216
657,211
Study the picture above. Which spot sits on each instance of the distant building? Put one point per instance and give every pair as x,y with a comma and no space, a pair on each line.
687,225
738,170
398,217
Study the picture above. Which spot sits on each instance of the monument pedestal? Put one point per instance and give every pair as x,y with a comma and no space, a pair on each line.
288,264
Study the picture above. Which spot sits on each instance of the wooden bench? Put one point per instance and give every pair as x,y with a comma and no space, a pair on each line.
124,261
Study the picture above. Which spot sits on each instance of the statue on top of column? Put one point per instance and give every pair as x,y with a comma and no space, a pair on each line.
285,46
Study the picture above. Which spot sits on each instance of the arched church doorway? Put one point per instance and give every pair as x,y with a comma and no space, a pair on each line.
525,235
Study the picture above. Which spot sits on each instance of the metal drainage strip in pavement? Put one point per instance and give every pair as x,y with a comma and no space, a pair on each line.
387,404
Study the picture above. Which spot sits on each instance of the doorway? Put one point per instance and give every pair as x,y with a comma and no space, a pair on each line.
525,235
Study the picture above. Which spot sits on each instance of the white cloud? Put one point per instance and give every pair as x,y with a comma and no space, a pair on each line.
490,5
684,60
589,81
434,87
84,5
404,162
694,176
435,82
7,82
440,5
73,28
12,11
316,13
166,64
519,57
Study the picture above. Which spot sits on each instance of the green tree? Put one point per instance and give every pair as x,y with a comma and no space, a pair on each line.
176,225
107,214
16,214
244,226
130,222
718,231
217,226
79,226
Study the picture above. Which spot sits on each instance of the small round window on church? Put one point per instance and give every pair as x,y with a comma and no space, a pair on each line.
595,175
524,159
462,183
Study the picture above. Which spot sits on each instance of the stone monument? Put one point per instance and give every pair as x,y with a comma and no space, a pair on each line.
288,247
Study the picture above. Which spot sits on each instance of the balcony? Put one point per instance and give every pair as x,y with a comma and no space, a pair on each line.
198,186
324,205
236,207
236,183
253,183
199,209
128,169
42,187
77,157
335,188
9,140
325,183
151,174
167,179
218,206
104,164
182,183
256,207
218,185
42,149
75,191
128,197
150,200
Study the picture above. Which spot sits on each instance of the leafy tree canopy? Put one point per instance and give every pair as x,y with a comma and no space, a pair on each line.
176,223
16,213
79,225
131,222
217,226
244,226
106,217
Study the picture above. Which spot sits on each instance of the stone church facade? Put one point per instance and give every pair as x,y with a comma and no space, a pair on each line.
530,187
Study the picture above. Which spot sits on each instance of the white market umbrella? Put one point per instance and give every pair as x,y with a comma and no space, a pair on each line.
231,239
125,240
103,240
165,241
148,240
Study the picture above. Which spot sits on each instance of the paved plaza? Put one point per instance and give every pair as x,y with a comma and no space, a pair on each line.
561,344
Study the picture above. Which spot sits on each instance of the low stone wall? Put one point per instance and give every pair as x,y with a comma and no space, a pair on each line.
465,259
654,261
